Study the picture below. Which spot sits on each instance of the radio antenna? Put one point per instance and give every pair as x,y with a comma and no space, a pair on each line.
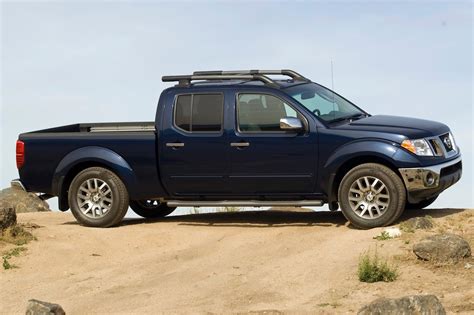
332,92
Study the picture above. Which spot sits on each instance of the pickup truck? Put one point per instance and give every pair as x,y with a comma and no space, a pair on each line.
253,138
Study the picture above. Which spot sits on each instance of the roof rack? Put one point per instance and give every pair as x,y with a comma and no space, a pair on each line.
293,74
219,75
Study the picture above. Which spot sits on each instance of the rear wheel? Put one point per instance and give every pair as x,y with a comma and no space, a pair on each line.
150,208
371,195
98,198
421,204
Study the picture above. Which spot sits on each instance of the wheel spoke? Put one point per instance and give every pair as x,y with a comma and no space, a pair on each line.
372,194
374,183
94,198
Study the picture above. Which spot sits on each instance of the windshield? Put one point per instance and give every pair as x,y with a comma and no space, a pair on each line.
324,103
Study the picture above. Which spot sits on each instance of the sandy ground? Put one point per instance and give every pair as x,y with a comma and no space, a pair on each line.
247,262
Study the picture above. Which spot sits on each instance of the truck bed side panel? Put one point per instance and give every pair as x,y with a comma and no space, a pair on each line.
44,152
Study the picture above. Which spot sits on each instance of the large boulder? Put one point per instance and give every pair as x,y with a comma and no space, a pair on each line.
442,248
413,304
22,201
36,307
7,217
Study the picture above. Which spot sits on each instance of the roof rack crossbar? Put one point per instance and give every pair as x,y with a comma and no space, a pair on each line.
185,80
293,74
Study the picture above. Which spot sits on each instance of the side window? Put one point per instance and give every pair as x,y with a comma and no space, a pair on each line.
199,112
261,112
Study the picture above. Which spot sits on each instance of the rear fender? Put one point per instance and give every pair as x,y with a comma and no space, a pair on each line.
82,158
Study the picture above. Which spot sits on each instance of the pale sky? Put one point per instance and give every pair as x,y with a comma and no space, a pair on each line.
64,63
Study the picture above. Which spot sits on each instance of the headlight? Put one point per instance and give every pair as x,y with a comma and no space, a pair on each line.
418,147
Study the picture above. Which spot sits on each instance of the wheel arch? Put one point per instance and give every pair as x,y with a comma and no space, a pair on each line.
354,154
81,159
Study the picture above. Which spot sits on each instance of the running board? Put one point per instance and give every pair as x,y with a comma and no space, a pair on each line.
243,203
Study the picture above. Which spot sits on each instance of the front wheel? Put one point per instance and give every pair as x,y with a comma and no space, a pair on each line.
150,208
371,195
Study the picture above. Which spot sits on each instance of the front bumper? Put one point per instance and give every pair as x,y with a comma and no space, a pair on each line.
429,181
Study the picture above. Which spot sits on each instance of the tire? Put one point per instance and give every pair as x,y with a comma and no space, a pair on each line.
150,208
420,205
98,198
379,203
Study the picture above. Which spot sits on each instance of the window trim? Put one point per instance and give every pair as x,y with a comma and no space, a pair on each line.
305,120
220,131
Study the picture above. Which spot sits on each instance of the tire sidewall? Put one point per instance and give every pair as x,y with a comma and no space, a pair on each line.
114,215
395,188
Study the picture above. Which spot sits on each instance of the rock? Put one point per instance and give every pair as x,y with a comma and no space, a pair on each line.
442,248
21,201
393,232
417,223
7,217
36,307
413,304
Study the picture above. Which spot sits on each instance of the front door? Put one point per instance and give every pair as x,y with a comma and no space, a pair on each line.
266,160
193,146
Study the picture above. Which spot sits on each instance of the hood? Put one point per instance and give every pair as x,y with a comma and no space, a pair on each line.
411,128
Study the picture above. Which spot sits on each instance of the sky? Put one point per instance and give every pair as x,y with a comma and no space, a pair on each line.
69,62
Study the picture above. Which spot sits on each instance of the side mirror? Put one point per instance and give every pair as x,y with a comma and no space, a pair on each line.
291,124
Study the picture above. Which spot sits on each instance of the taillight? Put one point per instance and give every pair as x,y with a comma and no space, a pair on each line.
20,154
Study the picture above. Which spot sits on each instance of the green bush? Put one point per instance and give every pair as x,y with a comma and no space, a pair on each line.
383,236
373,269
15,252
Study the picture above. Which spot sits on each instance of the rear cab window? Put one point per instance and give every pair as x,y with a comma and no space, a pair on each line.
203,112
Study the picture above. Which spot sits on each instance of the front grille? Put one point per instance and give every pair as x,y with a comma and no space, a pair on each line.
448,145
436,145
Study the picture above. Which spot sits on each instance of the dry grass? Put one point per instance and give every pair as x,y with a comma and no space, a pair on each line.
16,235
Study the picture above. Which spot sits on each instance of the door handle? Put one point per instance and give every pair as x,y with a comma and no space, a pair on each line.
175,144
239,144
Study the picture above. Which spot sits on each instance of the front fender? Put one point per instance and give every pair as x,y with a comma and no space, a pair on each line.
362,151
91,155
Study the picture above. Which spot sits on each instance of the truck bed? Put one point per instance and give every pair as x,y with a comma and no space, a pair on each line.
135,142
101,127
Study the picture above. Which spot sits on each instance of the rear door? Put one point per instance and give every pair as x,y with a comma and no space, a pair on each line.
266,160
193,144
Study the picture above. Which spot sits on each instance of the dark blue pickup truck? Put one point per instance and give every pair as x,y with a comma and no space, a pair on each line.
243,138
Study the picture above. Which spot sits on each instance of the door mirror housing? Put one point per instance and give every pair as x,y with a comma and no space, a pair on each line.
291,124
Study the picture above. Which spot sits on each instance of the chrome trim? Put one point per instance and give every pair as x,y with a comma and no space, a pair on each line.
414,178
239,144
18,184
243,203
119,128
175,145
290,123
440,143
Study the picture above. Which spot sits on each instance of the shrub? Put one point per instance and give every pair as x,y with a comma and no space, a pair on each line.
383,236
15,252
373,269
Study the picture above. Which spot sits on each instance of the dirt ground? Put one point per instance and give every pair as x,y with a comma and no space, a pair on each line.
243,262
